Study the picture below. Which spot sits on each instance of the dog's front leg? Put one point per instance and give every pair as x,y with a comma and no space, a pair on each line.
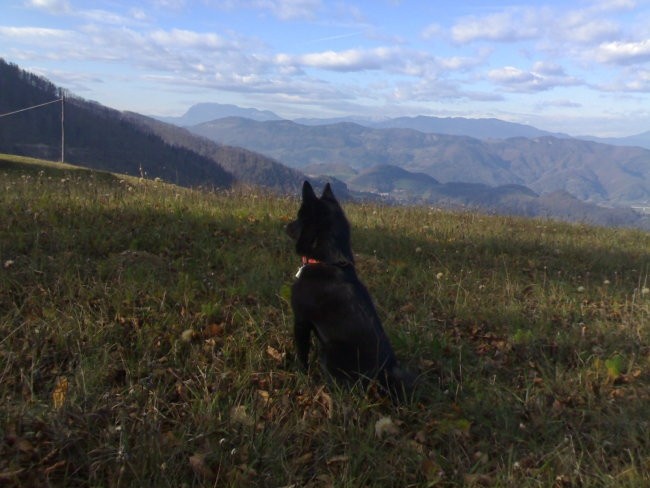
302,333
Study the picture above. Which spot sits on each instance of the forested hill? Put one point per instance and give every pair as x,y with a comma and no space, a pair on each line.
95,136
246,166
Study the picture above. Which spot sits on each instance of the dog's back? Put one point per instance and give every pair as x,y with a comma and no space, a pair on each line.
338,307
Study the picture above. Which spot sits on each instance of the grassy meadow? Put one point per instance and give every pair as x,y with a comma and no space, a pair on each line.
145,340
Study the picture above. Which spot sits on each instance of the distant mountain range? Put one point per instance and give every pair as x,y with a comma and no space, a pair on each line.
639,140
204,112
406,187
479,128
599,173
484,129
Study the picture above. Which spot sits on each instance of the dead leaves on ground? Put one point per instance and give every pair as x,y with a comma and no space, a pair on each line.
60,392
39,453
276,403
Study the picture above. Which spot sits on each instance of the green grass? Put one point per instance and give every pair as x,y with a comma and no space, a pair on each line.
165,312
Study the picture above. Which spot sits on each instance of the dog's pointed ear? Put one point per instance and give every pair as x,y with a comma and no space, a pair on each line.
328,193
308,192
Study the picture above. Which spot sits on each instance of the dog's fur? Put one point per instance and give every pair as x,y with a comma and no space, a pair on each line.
328,299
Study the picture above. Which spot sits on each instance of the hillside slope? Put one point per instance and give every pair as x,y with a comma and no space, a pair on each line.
146,340
95,136
246,166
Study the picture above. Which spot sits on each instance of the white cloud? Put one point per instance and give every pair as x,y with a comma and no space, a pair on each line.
52,6
63,7
74,81
428,90
138,14
586,31
106,17
290,9
349,60
395,60
513,24
621,52
182,39
458,63
169,4
614,5
511,75
282,9
543,76
632,80
555,27
33,33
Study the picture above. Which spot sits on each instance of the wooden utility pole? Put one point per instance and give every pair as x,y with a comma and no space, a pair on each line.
62,126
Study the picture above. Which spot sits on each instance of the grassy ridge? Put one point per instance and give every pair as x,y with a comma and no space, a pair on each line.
145,340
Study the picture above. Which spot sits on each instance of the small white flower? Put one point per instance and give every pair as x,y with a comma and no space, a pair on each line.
385,426
8,263
581,289
606,282
187,335
439,276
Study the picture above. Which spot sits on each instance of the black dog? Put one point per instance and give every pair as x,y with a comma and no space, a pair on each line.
328,299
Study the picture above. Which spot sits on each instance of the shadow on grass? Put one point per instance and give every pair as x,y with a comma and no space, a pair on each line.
169,325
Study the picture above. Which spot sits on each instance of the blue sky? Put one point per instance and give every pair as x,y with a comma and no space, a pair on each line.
580,67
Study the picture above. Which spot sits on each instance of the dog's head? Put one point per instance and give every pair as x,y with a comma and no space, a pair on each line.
321,230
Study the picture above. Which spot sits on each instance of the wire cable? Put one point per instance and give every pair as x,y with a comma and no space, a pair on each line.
30,108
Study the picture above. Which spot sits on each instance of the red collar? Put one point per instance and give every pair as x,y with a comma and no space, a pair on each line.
306,261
